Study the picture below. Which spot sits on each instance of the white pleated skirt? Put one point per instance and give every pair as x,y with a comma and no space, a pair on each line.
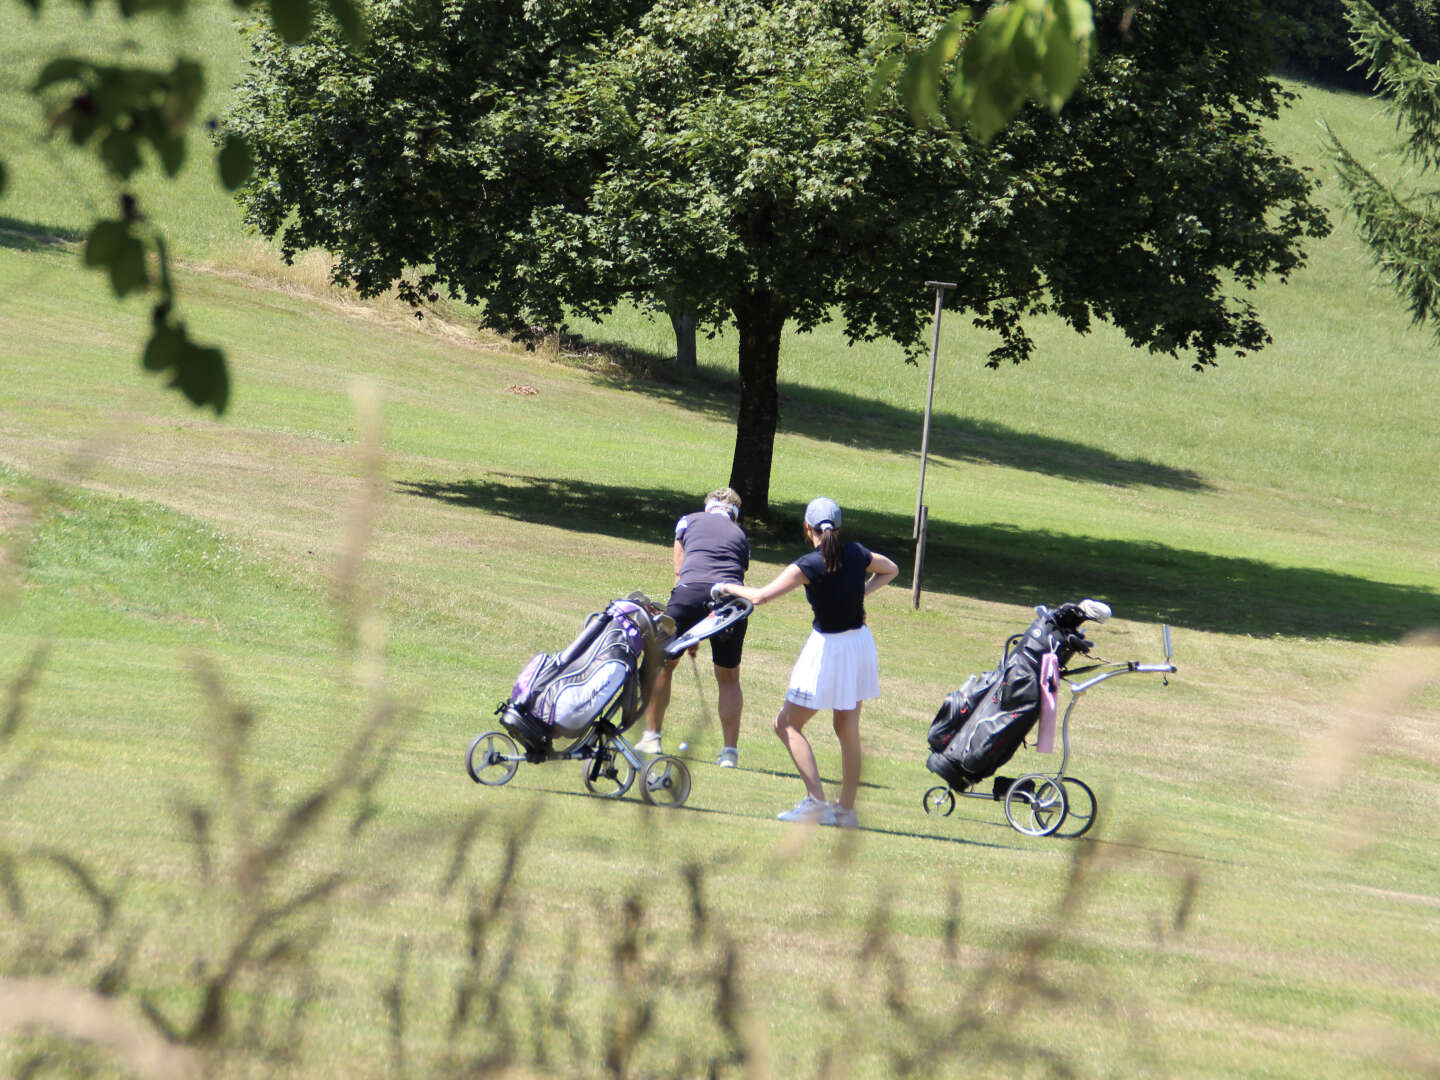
836,671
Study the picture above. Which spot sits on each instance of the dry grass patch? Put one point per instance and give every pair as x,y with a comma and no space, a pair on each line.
255,264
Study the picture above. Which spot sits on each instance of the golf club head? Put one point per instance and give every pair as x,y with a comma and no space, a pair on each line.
1094,610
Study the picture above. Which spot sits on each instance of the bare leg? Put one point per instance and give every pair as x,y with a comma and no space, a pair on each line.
847,730
659,698
732,700
787,726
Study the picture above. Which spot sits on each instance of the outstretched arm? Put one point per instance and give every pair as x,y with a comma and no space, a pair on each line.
789,578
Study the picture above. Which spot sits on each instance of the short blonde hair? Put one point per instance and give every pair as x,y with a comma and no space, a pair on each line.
724,495
725,501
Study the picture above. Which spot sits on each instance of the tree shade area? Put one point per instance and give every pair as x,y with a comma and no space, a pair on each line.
1313,36
722,159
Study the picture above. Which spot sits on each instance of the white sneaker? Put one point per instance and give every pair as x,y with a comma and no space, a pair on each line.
807,809
729,758
649,743
835,814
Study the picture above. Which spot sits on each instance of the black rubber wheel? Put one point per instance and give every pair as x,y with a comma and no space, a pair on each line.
939,801
492,758
613,774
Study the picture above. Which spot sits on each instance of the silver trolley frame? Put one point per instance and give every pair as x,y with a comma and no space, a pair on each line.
1054,804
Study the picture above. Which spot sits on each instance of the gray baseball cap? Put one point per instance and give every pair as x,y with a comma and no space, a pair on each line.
822,509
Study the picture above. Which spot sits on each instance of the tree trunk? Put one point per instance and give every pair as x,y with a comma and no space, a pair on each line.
760,317
684,324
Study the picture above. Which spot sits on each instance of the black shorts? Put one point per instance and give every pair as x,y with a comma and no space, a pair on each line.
691,603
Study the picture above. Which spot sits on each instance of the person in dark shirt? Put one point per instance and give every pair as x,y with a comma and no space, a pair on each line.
838,667
710,547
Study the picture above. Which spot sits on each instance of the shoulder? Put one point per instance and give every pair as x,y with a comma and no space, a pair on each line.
681,526
809,561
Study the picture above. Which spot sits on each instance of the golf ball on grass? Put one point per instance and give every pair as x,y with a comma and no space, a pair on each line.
684,746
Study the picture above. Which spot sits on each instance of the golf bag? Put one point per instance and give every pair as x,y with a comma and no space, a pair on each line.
599,674
981,725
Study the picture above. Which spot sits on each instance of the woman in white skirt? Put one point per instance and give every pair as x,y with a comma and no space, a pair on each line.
838,668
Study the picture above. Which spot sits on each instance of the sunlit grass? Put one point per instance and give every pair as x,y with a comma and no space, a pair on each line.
1238,914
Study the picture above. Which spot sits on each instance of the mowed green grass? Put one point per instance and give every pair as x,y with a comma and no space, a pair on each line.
1259,898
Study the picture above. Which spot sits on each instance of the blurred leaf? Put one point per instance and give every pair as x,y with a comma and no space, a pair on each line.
291,18
880,80
187,81
920,90
197,371
111,245
352,24
1078,18
127,268
987,114
1064,63
163,349
104,241
235,162
172,153
120,153
59,69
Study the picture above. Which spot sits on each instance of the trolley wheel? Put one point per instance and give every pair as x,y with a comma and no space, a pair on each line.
939,800
1035,805
608,774
665,781
1079,808
492,758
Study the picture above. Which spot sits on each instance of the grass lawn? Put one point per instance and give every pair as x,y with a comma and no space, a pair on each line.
246,657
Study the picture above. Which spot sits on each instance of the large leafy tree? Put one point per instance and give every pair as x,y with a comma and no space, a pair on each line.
1401,225
720,157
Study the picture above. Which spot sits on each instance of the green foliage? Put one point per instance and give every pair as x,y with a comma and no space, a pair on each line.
1402,228
1312,37
720,158
124,107
112,245
1020,50
117,110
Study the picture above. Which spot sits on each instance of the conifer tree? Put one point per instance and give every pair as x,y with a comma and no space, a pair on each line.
1400,224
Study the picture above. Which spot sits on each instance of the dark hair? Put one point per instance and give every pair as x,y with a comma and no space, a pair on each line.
830,547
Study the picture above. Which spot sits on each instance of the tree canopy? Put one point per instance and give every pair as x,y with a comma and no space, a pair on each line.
721,156
1402,227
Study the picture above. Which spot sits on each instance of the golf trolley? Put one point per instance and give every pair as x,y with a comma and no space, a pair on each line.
1051,804
606,674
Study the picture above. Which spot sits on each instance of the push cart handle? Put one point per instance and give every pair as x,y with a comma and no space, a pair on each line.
1165,669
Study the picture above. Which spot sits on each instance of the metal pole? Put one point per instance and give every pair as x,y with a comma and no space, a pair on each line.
921,511
919,559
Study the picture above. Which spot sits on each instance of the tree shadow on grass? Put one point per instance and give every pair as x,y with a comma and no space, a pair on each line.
1143,581
835,416
29,236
